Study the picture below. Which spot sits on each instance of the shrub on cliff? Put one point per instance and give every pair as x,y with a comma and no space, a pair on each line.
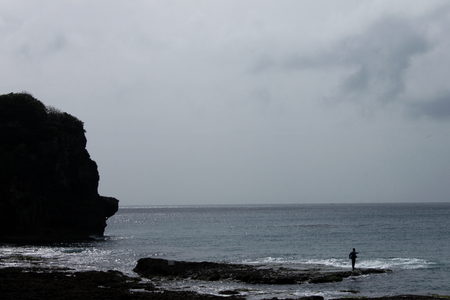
24,119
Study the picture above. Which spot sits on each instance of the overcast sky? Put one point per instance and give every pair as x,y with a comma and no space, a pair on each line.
252,102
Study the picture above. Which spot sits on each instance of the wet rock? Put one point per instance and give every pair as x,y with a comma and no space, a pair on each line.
301,298
210,271
229,292
27,284
38,283
333,277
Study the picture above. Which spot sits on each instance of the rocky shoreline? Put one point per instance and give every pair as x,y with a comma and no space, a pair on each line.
40,283
36,283
211,271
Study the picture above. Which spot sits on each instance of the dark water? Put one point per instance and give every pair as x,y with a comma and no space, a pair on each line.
410,239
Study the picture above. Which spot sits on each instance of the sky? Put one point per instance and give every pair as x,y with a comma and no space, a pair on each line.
245,101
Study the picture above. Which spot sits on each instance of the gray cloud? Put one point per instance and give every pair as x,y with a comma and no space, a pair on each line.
205,102
382,55
371,66
377,58
437,107
262,64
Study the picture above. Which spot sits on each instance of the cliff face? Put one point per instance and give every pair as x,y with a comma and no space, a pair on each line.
48,182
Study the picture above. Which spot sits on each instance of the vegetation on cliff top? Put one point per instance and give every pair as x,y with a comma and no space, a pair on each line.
24,119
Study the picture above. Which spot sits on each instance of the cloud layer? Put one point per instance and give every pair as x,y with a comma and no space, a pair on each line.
215,102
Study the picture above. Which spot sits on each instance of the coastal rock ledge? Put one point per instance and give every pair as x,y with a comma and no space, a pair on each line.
48,182
211,271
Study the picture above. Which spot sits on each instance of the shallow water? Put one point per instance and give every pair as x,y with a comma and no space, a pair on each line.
410,239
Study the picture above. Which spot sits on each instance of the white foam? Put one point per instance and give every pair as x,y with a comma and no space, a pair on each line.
380,263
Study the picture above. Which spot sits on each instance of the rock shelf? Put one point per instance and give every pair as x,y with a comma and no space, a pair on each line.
211,271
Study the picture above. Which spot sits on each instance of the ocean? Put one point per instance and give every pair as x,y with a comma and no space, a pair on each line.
412,240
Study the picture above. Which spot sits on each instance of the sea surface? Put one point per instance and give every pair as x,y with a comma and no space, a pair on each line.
412,240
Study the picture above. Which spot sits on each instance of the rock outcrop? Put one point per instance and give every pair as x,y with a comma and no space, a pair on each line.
113,285
211,271
48,182
89,285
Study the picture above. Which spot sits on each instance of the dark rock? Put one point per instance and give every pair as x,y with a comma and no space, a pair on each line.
38,283
210,271
334,277
48,182
372,271
228,292
301,298
17,283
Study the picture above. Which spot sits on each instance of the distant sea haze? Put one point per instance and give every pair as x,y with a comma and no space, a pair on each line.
409,239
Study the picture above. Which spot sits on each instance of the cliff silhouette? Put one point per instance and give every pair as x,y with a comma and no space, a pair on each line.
48,182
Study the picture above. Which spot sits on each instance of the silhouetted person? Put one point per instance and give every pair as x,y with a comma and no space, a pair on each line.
353,257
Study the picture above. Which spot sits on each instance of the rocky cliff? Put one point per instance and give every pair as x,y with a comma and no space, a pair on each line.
48,182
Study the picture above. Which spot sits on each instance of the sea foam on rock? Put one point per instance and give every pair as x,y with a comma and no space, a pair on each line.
48,182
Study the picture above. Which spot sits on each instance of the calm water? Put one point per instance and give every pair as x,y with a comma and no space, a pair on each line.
410,239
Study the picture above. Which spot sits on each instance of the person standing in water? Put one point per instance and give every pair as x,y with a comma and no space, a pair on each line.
353,257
